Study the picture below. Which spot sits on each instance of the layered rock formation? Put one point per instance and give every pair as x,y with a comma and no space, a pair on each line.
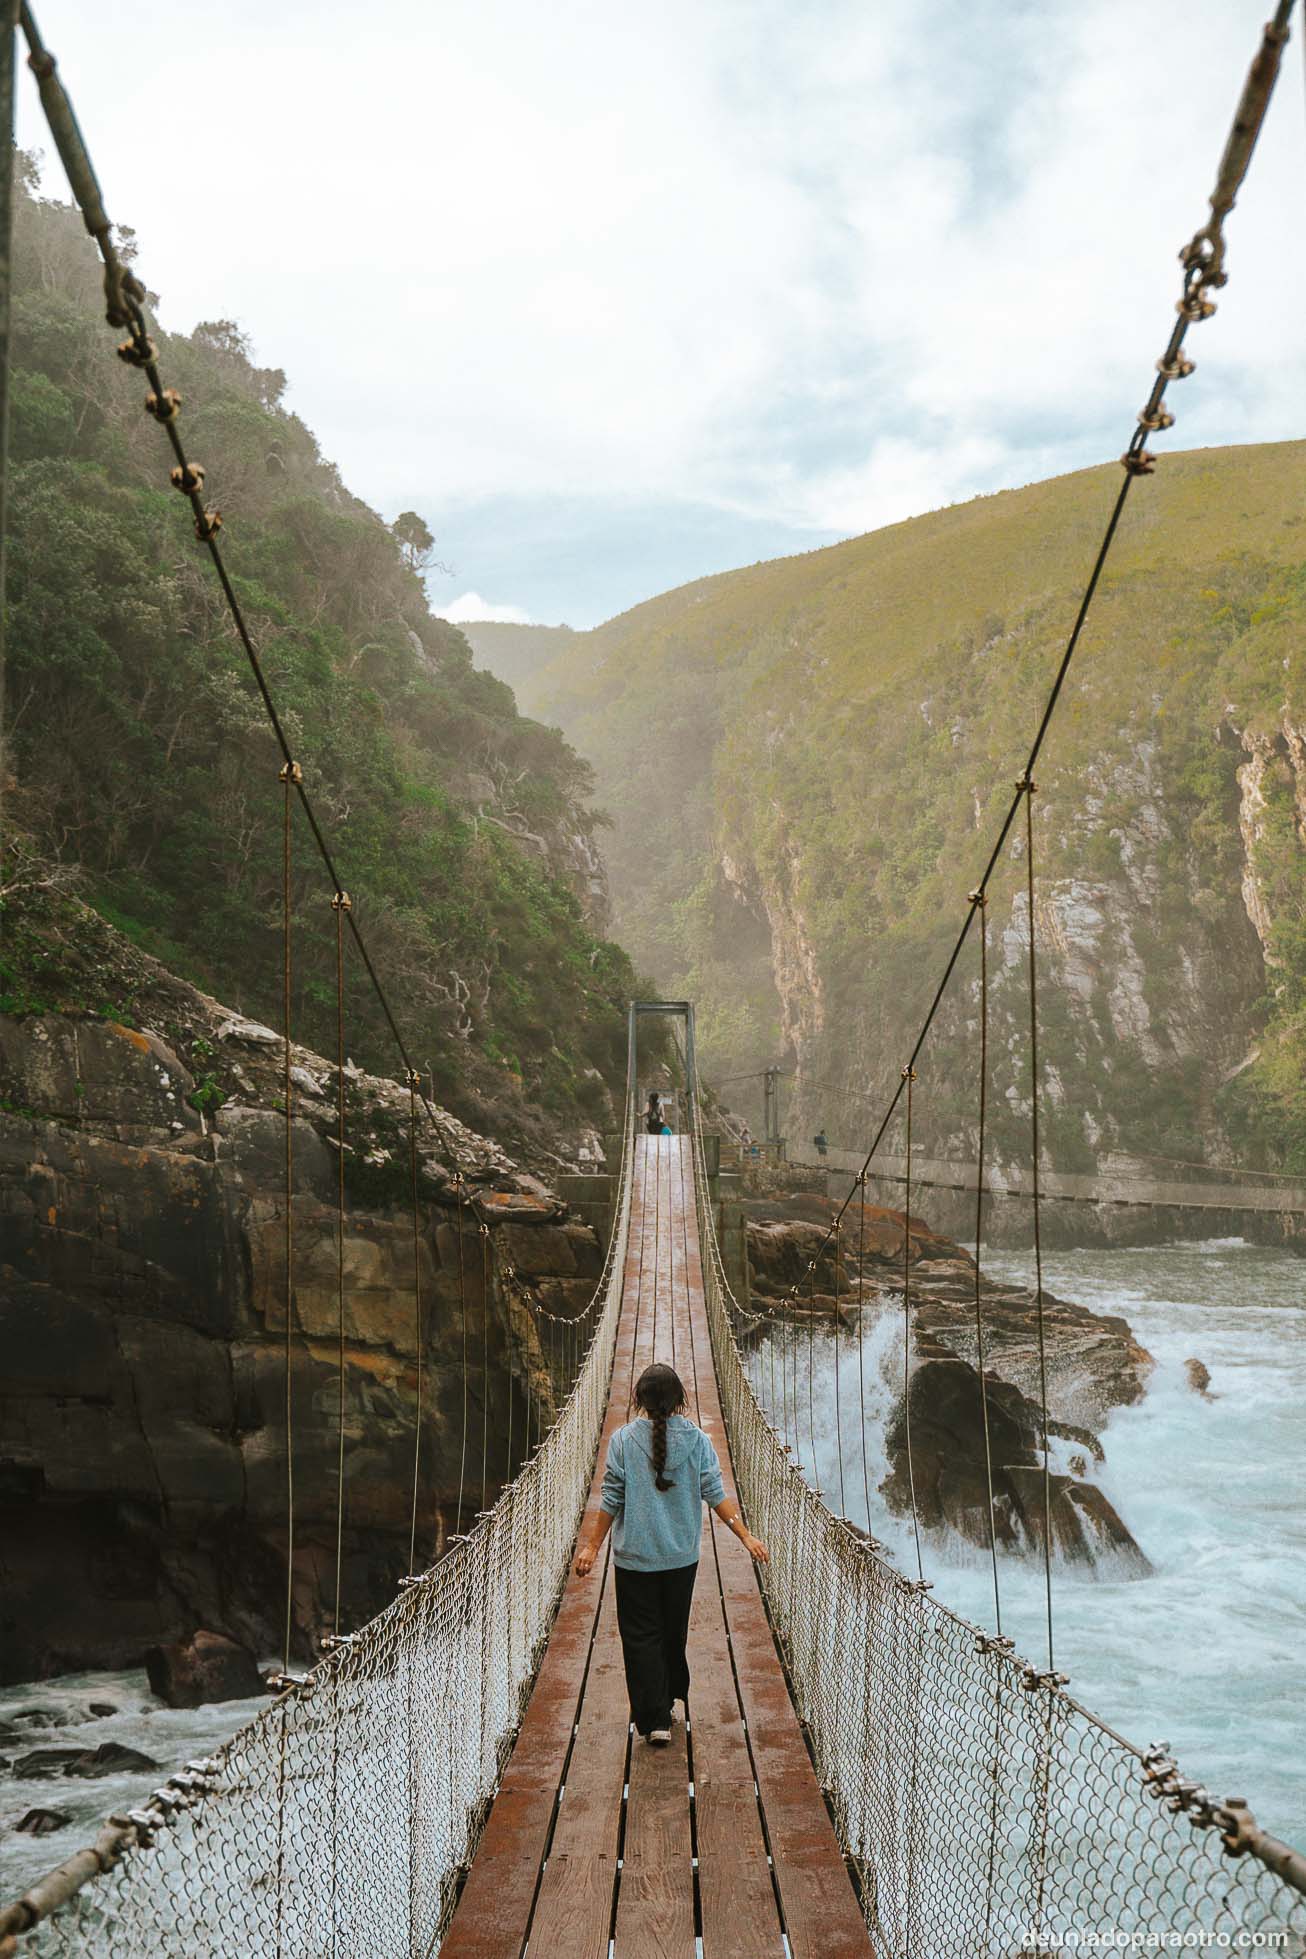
143,1410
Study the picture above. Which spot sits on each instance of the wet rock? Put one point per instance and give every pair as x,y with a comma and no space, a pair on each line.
42,1822
110,1758
1198,1377
237,1028
947,1468
206,1668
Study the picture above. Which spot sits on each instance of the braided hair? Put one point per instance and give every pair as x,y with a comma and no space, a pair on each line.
659,1393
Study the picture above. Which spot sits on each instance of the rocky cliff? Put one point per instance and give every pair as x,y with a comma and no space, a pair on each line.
806,761
142,1317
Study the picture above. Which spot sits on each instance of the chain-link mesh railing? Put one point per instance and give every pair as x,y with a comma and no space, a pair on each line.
338,1822
985,1813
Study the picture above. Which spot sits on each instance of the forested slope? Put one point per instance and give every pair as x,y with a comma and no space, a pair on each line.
806,761
143,770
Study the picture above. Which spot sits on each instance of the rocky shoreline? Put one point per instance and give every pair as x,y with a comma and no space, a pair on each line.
1094,1364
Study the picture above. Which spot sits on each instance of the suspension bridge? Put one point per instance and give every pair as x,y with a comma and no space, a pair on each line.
860,1770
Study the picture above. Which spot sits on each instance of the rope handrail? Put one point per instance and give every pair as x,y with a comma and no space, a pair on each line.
1054,1855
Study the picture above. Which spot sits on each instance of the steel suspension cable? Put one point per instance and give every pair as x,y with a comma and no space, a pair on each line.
340,906
462,1311
287,778
419,1329
909,1078
1028,788
861,1343
838,1415
980,902
486,1275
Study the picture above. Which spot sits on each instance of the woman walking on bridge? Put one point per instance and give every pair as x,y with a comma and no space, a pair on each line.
660,1471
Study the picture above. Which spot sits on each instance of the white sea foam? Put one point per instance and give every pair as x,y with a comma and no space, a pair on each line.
169,1736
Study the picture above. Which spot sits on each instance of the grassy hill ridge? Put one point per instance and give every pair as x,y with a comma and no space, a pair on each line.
805,761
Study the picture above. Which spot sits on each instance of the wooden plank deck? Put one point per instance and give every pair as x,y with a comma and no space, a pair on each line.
597,1843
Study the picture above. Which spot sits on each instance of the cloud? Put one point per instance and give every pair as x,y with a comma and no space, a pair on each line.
811,266
470,607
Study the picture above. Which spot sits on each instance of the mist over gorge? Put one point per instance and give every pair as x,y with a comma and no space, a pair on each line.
805,762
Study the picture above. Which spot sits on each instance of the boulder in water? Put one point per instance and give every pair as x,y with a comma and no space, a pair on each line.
1199,1378
948,1469
110,1758
42,1822
205,1668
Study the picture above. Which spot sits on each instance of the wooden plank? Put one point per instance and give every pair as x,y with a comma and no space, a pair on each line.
573,1911
736,1896
655,1901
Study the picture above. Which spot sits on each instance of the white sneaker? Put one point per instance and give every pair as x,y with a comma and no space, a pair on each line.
659,1737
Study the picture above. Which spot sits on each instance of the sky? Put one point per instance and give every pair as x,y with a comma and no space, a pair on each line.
616,295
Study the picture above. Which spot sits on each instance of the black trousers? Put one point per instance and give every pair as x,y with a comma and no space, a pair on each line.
653,1618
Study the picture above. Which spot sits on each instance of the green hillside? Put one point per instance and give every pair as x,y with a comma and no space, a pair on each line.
805,762
144,770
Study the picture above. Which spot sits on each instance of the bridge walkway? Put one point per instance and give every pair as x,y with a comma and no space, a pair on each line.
598,1844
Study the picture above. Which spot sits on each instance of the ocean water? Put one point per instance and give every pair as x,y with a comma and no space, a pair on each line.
1208,1653
56,1714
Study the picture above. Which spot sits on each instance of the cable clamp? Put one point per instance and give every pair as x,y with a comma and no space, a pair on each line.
290,772
287,1683
1238,1831
909,1073
208,525
1026,784
1196,305
163,406
334,1642
483,1229
414,1580
1176,370
1032,1680
342,902
1155,419
994,1643
188,478
1138,462
412,1079
139,351
978,896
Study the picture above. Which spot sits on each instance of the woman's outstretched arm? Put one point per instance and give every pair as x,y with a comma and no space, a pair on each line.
728,1511
595,1528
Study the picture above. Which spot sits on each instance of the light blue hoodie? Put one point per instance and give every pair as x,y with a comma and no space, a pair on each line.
653,1529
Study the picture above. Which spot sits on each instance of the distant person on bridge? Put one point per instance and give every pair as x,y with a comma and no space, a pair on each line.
821,1142
653,1122
656,1520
